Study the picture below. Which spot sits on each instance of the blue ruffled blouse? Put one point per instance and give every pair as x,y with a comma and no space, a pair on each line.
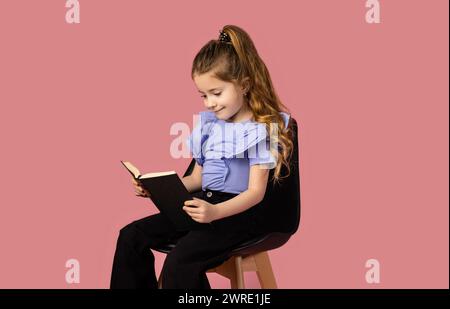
226,150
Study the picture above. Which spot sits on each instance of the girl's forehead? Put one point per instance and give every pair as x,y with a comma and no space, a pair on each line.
206,82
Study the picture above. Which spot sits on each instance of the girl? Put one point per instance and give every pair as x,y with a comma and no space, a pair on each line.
230,145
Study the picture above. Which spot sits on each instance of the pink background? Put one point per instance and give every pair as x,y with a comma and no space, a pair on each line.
371,101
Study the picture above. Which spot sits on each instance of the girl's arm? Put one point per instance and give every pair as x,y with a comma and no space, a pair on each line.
193,182
257,184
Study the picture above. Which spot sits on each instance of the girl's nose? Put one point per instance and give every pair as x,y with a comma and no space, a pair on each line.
210,104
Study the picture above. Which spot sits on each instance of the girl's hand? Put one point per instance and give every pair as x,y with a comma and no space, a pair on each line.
139,190
200,210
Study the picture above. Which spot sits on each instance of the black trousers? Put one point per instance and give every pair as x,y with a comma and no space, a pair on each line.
195,251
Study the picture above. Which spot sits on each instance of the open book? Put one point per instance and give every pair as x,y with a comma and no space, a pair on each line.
168,193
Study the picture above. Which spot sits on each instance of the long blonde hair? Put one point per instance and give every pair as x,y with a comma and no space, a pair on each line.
238,60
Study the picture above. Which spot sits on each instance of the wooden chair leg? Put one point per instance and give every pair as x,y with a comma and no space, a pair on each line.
233,270
264,271
160,282
239,272
233,281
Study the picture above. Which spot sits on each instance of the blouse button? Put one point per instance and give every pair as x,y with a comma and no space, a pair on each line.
209,194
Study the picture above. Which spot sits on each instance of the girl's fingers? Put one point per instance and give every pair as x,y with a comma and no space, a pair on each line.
140,189
191,203
135,182
191,210
195,217
138,193
194,210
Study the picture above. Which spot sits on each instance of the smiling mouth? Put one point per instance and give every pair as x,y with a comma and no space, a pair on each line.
219,110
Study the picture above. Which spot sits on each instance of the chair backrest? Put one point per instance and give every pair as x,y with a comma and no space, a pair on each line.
280,209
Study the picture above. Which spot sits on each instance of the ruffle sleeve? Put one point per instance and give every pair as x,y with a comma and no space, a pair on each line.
240,137
260,153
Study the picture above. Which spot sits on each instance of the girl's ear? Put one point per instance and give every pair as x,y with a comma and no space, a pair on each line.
245,84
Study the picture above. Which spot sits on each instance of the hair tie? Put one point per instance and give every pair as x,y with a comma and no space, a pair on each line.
224,37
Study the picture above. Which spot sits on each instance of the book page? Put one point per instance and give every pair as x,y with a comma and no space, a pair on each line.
131,168
159,174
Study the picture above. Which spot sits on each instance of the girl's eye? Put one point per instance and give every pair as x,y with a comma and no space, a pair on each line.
217,94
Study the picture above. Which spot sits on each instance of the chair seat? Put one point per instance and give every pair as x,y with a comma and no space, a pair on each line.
261,243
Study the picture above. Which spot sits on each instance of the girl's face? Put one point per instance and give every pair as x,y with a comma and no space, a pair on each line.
225,99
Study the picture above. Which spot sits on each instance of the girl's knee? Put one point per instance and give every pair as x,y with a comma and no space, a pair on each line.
128,232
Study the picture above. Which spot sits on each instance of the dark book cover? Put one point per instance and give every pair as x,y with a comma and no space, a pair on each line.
168,193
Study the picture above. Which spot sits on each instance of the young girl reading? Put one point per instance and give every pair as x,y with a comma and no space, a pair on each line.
231,147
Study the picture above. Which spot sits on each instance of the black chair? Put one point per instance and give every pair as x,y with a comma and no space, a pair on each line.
280,217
